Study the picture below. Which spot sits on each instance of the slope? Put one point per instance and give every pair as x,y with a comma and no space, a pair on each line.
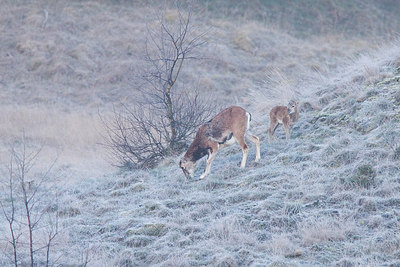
328,196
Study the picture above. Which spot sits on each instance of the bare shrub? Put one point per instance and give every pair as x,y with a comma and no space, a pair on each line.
30,213
160,122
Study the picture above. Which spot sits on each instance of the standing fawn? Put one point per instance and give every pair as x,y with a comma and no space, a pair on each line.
224,129
285,115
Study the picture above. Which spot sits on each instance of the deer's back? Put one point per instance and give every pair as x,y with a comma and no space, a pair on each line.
227,121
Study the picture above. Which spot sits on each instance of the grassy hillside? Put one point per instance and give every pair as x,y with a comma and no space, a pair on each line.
328,196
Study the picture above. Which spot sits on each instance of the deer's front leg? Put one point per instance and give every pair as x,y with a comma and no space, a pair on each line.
210,159
286,125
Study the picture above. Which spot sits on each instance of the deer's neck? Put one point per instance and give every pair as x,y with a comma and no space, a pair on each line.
196,152
295,116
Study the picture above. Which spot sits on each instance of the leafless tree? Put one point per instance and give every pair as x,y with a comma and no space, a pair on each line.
25,206
9,214
161,121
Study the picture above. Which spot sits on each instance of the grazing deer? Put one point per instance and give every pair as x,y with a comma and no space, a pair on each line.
283,115
224,129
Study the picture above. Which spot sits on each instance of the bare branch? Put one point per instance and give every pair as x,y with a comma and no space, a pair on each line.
160,123
25,202
11,217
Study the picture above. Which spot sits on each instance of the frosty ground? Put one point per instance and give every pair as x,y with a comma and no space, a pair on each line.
328,196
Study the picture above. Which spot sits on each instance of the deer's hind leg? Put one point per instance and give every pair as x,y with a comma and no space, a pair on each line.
245,149
256,141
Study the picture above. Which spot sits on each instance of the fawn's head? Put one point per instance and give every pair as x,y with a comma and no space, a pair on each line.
292,106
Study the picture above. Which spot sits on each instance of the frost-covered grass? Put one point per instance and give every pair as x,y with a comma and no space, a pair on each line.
328,196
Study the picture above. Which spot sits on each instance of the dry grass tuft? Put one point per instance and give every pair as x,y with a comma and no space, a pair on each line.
243,41
282,245
324,230
276,89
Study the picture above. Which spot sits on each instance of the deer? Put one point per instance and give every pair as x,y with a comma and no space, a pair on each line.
285,115
230,125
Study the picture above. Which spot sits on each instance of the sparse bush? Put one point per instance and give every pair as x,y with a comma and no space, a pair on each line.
159,124
363,177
